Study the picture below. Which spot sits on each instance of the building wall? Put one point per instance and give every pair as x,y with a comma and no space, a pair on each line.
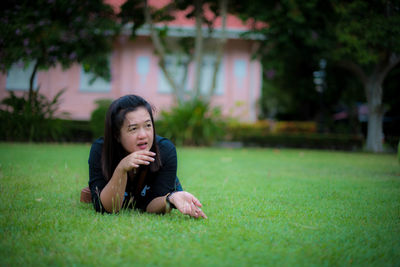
135,70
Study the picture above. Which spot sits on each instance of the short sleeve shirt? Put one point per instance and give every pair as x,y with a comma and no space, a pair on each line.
156,184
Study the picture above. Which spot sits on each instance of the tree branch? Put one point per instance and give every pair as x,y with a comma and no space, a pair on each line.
223,5
31,80
160,51
355,69
392,61
198,48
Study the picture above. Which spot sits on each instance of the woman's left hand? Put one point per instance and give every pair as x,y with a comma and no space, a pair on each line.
187,204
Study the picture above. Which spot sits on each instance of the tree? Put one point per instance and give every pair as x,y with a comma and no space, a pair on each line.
48,32
368,44
131,13
360,36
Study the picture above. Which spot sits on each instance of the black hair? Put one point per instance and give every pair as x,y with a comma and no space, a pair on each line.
113,152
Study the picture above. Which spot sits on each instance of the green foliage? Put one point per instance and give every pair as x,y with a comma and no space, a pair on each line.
365,32
98,117
192,123
310,141
290,134
398,152
76,131
295,39
25,121
358,36
266,207
57,31
262,128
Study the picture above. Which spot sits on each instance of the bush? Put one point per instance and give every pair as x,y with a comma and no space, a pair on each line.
192,123
98,117
312,140
263,128
294,127
290,134
24,120
398,151
76,131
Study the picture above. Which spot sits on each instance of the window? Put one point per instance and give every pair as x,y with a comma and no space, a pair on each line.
143,68
175,65
98,85
19,75
207,76
240,71
87,84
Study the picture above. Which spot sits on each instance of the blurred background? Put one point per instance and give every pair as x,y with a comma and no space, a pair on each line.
312,74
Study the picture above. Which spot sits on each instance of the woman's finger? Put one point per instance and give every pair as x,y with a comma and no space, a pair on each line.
145,153
202,214
135,165
196,201
142,162
142,157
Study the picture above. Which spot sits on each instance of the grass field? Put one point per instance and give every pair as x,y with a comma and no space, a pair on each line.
265,207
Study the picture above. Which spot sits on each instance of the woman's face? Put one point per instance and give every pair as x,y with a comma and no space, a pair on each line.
137,131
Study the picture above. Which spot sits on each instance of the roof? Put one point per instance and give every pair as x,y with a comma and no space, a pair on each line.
183,26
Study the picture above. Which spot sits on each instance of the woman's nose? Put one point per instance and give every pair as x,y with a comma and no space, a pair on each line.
141,133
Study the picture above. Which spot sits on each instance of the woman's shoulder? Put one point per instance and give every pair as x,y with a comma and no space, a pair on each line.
98,143
96,149
164,144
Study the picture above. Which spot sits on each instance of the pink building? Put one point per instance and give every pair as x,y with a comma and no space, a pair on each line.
135,70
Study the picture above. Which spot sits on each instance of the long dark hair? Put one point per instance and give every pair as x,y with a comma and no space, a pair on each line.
113,152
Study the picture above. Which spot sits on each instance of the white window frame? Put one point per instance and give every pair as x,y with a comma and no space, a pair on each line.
209,61
99,85
175,69
19,75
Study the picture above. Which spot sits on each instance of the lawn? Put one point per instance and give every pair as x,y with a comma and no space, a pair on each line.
264,207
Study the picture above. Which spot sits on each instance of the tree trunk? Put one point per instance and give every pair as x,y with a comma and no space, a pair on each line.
161,53
374,92
31,81
373,89
221,43
198,48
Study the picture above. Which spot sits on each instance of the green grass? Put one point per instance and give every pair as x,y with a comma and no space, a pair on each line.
265,207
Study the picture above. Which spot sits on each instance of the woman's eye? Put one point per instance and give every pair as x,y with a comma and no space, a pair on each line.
132,129
148,125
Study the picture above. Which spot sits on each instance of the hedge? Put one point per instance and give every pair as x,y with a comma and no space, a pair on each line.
313,141
290,134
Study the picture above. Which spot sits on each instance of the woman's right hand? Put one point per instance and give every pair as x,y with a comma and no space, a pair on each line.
187,204
135,159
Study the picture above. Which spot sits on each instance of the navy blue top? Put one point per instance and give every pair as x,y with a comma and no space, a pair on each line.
155,185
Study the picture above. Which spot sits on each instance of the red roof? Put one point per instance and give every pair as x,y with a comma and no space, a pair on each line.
232,22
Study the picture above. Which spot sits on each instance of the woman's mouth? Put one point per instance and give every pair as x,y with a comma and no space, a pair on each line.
142,146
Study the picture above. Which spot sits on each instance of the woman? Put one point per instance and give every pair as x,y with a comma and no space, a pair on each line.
132,167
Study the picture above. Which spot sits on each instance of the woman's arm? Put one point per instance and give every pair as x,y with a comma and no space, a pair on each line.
183,201
112,196
157,205
164,183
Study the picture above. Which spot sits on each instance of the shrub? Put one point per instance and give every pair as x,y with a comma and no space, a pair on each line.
398,151
262,128
24,120
290,134
294,127
76,131
237,130
98,117
192,123
311,140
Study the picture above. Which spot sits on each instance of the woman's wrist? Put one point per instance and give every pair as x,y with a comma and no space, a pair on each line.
170,200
